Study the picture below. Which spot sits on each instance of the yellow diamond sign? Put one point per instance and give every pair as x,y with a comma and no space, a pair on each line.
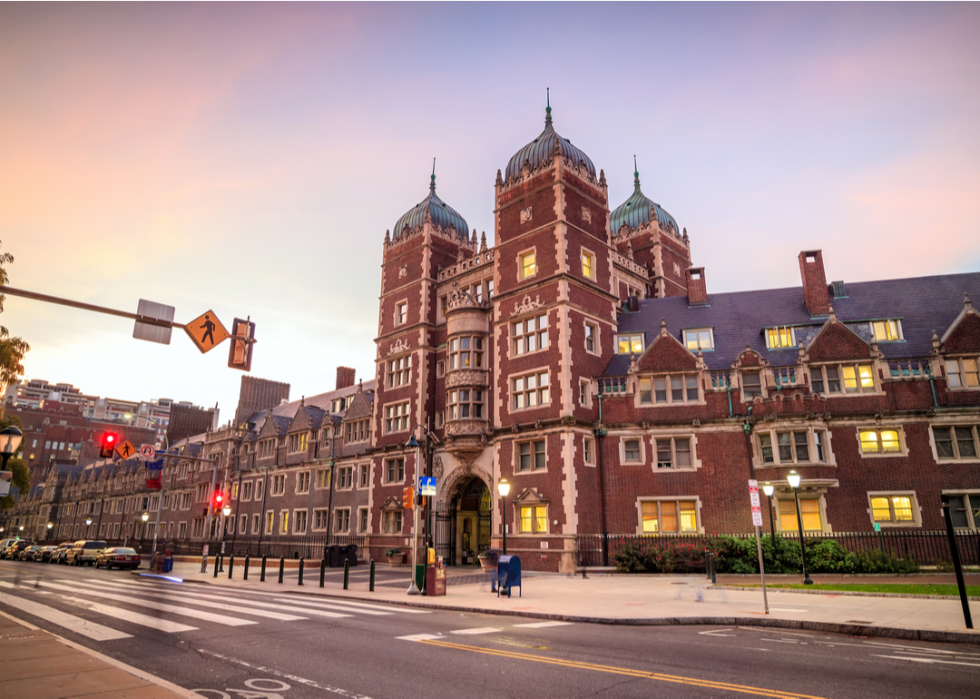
206,331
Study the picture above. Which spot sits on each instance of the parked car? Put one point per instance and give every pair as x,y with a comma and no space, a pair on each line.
84,552
43,553
58,555
118,557
15,548
27,553
4,543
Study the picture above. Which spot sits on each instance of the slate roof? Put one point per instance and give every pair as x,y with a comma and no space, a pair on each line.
923,304
322,402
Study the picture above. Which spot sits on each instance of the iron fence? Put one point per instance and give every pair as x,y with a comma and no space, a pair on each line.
311,546
923,547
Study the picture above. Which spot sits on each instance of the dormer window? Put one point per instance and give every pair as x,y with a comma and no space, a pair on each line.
629,344
780,338
699,339
963,373
887,330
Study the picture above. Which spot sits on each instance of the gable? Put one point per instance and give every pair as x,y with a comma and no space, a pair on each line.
667,354
964,336
359,407
268,428
837,341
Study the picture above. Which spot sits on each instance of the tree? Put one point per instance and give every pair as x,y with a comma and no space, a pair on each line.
12,349
21,474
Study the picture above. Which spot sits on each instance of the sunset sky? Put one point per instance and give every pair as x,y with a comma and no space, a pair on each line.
249,158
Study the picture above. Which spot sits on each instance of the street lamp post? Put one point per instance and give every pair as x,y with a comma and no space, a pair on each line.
503,487
225,511
145,517
10,438
768,488
50,527
794,482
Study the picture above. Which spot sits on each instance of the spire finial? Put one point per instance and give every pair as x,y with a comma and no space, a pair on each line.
547,110
636,174
432,183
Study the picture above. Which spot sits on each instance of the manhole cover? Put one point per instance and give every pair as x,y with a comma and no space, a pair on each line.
858,621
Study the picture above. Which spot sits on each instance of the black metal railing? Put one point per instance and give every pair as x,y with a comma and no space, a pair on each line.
311,546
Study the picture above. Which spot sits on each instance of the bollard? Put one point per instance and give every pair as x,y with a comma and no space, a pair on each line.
282,566
231,564
346,573
301,571
262,576
371,587
323,570
245,574
215,566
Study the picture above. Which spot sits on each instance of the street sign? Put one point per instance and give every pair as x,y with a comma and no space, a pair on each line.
206,331
756,505
150,331
427,485
877,527
125,450
147,451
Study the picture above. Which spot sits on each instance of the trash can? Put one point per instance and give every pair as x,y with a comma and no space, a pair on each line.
168,561
351,554
509,574
332,554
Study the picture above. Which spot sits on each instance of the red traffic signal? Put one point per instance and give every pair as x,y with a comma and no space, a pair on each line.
242,339
108,445
408,498
218,499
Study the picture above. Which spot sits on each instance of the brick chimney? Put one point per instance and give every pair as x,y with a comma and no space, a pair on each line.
816,295
345,377
697,290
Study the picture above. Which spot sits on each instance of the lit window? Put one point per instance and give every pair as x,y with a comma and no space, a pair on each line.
588,265
880,441
664,516
809,513
534,519
699,339
894,509
530,391
530,335
465,404
956,443
887,330
669,389
531,455
528,266
629,344
778,338
852,378
962,373
674,453
793,447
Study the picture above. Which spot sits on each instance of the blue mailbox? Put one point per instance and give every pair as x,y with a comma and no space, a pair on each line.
509,574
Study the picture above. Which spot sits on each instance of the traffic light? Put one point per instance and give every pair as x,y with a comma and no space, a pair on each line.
219,499
242,339
108,445
408,498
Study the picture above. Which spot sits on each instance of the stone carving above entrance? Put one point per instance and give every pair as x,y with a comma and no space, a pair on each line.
527,304
455,478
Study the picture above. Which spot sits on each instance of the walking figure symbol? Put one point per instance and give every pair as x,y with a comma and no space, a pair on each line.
208,329
125,450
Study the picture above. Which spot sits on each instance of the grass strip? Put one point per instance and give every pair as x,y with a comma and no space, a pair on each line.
884,588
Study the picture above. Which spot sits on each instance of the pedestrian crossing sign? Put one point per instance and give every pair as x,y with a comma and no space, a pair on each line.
206,331
125,450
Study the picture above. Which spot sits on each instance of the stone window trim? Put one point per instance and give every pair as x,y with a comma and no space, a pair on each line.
278,485
401,313
363,520
397,417
962,372
916,509
342,520
595,337
775,429
322,482
345,478
319,523
527,264
303,482
674,499
662,395
953,441
284,522
588,451
588,260
531,500
398,370
885,445
364,475
301,521
585,392
751,385
824,382
698,339
675,437
642,459
786,495
972,503
539,389
394,474
520,340
887,330
465,352
536,451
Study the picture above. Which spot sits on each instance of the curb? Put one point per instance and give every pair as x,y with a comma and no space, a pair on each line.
835,593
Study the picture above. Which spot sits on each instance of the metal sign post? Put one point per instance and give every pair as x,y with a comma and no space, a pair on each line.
757,522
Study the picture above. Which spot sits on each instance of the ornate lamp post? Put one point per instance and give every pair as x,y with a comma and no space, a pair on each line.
10,438
503,487
794,482
145,517
768,488
50,527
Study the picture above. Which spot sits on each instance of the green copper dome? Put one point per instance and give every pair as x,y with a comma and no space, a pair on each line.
542,149
443,215
638,211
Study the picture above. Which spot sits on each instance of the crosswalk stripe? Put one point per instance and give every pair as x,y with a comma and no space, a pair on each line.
542,624
205,598
130,616
182,611
83,627
192,598
474,632
366,605
331,605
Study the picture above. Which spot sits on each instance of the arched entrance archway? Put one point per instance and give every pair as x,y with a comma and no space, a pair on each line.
463,529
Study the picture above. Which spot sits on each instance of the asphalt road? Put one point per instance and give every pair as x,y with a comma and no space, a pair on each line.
230,643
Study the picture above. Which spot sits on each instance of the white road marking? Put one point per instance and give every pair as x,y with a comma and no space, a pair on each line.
419,637
786,609
83,627
294,678
542,624
929,661
781,640
132,617
191,598
474,632
182,611
717,632
328,605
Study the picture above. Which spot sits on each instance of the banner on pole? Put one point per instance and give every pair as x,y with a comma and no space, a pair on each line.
154,475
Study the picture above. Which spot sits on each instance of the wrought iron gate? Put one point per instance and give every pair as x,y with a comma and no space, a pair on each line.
446,536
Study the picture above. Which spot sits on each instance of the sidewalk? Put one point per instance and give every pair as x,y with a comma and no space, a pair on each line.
37,664
648,600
